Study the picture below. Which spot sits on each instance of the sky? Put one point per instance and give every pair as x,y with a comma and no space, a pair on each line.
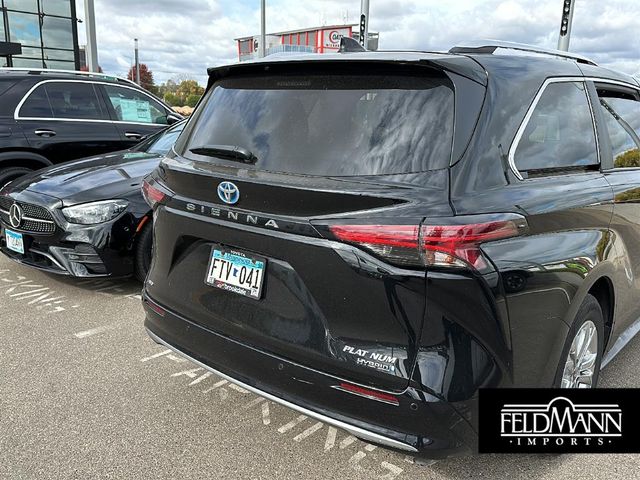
182,38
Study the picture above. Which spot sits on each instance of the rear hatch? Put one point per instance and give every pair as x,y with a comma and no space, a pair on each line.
322,205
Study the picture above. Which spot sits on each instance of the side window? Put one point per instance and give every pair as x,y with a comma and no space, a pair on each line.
622,117
560,132
135,107
64,100
37,104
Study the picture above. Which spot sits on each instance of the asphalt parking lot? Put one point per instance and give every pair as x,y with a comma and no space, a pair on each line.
84,393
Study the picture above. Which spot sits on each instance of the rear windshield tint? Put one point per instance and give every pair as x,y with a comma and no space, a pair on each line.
333,125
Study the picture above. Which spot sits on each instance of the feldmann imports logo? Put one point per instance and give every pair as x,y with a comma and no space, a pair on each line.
559,423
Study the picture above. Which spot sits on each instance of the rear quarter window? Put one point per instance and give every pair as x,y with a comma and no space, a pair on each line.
331,125
560,132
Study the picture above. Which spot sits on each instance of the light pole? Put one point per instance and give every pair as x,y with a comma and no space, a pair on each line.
565,25
262,51
364,22
92,43
137,64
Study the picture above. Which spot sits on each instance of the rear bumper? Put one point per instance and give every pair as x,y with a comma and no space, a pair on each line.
421,423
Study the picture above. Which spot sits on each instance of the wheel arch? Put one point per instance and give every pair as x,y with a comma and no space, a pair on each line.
603,291
20,158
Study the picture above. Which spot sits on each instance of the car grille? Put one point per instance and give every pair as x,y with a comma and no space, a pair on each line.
35,219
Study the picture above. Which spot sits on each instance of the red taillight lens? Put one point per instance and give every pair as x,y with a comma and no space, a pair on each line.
368,393
396,243
429,245
459,245
151,194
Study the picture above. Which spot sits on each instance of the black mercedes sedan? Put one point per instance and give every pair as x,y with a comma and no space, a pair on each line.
85,218
373,238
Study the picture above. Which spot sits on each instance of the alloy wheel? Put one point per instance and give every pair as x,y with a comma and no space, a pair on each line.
579,368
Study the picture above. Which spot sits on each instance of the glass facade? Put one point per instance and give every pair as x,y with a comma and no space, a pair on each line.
47,31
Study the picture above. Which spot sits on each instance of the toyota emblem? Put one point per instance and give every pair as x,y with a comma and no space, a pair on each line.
228,192
15,215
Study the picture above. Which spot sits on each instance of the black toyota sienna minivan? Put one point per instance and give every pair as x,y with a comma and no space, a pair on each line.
370,238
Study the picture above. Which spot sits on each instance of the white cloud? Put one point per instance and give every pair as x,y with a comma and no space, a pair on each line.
187,36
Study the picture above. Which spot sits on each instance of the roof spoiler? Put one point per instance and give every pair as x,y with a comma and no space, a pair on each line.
490,46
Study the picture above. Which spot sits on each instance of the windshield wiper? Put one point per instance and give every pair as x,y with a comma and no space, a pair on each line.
229,152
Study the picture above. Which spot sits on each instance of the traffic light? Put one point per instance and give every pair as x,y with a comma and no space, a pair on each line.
363,30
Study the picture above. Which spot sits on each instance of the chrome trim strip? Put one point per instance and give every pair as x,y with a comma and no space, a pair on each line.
50,257
39,220
16,113
352,429
536,99
2,210
621,342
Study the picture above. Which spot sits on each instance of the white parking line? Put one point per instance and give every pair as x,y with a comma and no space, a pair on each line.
309,431
160,354
94,331
292,423
265,414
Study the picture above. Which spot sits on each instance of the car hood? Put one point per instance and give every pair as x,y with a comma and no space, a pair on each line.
92,179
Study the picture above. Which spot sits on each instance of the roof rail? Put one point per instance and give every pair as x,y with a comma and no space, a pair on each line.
490,46
40,71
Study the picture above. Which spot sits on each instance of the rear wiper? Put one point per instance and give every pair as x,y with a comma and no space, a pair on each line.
230,152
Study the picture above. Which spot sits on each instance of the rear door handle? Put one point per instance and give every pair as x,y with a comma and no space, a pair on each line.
45,133
133,135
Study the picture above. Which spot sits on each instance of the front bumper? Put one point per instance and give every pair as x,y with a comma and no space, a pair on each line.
83,251
420,423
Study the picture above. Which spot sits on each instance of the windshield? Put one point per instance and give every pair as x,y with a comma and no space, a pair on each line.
161,143
334,125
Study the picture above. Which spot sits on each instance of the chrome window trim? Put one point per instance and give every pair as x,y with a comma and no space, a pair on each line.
16,113
356,431
534,104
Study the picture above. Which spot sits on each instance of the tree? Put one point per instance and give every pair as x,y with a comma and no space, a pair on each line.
146,76
186,93
189,87
172,99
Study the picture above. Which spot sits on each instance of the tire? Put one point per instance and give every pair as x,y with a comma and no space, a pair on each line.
144,244
588,319
9,174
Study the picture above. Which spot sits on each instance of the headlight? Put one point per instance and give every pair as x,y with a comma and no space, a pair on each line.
95,212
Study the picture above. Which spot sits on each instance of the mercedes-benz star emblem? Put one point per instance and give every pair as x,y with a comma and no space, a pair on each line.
15,215
228,192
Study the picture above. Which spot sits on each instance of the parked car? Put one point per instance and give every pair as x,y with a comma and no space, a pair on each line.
85,218
52,116
370,238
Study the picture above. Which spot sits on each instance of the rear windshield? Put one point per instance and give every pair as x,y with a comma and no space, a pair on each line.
333,125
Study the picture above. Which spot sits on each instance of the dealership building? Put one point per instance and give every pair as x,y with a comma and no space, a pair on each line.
325,39
39,34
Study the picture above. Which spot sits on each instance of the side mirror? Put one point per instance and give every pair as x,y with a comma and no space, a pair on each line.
173,118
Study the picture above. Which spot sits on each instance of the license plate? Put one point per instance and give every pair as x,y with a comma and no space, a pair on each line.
14,241
236,272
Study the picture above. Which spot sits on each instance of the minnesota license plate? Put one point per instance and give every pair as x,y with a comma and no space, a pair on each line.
236,272
14,241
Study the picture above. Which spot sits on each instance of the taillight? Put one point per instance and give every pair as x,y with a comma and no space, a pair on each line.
368,393
396,243
454,245
151,194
